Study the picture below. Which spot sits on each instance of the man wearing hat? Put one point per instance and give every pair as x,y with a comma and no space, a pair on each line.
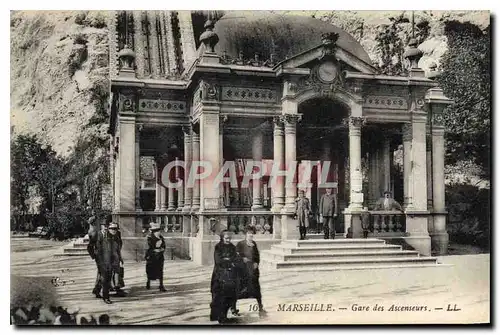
387,203
108,257
93,232
328,210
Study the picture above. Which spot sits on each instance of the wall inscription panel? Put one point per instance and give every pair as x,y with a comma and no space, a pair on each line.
154,105
385,102
249,94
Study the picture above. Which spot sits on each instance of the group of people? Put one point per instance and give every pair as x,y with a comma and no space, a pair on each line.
105,248
235,275
328,211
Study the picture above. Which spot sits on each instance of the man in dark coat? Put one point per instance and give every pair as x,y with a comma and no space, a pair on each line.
224,283
108,256
328,210
93,232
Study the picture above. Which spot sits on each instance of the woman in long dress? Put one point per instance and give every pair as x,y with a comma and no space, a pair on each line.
224,283
249,253
155,256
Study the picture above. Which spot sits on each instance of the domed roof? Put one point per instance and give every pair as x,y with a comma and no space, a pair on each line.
284,36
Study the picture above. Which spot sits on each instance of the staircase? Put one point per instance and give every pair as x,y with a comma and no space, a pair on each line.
76,248
315,254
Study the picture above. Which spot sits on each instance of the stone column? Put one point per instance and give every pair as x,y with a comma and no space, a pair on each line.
439,235
386,157
290,121
158,187
407,135
196,158
163,198
417,234
356,178
171,199
128,189
209,154
188,156
138,168
257,141
223,119
117,177
278,189
180,189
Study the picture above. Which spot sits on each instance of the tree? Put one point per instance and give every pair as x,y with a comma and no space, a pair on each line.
466,79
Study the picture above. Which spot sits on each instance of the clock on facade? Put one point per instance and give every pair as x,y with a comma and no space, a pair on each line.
327,72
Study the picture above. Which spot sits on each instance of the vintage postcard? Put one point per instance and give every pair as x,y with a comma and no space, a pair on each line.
250,167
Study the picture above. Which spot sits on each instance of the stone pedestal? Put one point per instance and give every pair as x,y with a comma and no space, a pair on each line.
289,228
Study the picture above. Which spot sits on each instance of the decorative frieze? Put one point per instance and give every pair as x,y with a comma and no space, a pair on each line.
152,105
249,94
209,91
386,102
127,103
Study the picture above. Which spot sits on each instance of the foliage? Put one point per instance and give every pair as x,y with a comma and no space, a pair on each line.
33,164
466,79
469,214
393,38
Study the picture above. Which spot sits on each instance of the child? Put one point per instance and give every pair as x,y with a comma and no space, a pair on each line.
154,256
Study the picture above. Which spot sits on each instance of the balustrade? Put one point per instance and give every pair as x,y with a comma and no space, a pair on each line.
387,222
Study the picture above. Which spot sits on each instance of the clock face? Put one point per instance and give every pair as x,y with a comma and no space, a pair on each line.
327,72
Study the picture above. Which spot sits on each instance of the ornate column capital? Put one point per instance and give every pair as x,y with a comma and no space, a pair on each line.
291,119
186,129
356,121
223,119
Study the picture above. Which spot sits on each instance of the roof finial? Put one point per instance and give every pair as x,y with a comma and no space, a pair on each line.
209,38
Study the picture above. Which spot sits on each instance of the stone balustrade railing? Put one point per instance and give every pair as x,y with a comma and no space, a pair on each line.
387,222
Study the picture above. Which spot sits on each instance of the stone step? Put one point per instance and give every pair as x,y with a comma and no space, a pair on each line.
335,242
333,249
280,256
75,249
361,262
321,236
71,254
359,267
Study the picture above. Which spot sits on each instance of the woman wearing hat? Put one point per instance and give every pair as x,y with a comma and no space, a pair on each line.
155,256
224,283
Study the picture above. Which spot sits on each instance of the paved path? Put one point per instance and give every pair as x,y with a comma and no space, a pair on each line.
464,285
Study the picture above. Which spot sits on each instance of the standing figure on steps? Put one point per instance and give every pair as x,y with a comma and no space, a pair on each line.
302,212
328,210
155,256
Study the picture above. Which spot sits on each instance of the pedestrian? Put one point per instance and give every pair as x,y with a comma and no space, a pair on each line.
328,210
249,253
108,256
155,256
302,212
224,282
93,233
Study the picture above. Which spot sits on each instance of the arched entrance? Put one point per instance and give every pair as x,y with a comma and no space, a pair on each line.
322,152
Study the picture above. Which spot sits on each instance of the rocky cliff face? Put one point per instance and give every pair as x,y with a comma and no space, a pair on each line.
59,65
59,76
